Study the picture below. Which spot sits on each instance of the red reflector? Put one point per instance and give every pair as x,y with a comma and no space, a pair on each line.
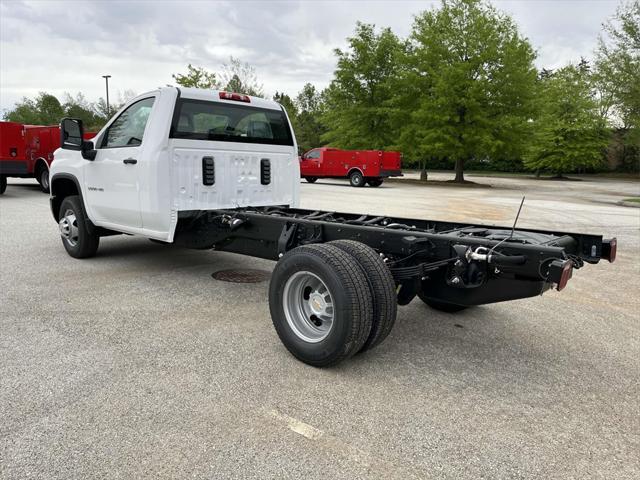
238,97
567,272
610,249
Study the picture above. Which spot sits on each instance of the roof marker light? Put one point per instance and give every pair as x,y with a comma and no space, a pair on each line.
238,97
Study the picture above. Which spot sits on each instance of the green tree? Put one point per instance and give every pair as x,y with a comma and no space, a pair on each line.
292,111
310,107
45,109
357,114
471,78
79,107
114,105
617,77
196,77
240,77
569,134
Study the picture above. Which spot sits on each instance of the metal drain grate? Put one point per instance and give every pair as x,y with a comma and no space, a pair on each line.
244,275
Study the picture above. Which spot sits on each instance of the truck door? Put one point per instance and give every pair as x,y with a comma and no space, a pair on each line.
312,161
112,179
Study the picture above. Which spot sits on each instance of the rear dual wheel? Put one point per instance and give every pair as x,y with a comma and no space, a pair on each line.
330,301
375,182
3,184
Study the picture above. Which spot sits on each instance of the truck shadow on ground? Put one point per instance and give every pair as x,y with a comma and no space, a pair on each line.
484,337
337,183
422,338
26,187
143,253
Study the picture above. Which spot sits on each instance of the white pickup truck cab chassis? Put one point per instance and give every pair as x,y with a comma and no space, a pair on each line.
217,170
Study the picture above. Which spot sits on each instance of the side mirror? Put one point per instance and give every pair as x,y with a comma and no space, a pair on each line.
72,138
71,132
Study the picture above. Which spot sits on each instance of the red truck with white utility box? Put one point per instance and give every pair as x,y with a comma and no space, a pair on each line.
359,166
26,151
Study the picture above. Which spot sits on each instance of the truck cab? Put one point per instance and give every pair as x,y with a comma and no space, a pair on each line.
172,151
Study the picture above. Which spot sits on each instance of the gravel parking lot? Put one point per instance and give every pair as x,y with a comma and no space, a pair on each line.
138,364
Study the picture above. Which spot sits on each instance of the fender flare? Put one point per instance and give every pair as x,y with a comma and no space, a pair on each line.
353,169
37,164
55,202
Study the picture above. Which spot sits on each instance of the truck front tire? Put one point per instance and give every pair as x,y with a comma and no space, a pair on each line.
311,179
3,184
78,241
381,286
320,304
356,179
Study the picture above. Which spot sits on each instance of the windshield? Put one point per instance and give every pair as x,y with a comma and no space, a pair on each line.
202,120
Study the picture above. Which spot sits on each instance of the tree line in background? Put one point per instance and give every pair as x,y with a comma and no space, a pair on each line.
462,90
46,109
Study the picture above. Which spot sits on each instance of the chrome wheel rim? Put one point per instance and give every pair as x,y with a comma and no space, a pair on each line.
308,307
68,225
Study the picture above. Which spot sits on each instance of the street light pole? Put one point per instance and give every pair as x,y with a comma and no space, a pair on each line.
106,79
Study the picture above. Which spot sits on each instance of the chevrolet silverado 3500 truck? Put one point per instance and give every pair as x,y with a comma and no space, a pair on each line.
217,170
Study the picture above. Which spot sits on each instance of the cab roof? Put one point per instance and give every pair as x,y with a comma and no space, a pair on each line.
214,95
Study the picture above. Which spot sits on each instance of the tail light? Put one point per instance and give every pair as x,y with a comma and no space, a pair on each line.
238,97
610,249
560,271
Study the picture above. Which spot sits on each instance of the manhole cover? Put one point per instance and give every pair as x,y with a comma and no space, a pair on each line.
241,275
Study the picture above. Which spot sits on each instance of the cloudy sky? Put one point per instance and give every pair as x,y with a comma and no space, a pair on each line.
59,47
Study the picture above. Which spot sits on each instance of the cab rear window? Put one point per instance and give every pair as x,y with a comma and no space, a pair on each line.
202,120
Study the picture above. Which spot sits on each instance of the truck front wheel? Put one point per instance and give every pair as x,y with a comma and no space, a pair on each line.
311,179
3,184
356,179
320,304
76,238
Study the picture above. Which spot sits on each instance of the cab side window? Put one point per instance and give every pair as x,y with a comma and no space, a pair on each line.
128,129
313,154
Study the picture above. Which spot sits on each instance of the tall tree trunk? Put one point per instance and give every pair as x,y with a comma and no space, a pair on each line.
459,170
423,170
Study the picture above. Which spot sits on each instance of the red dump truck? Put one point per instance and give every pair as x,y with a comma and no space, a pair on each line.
26,151
359,166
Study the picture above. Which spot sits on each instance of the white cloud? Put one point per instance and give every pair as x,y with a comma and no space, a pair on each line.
66,46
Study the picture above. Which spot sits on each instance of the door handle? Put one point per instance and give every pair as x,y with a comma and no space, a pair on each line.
130,161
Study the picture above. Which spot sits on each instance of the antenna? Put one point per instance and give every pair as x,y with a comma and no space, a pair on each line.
517,216
512,230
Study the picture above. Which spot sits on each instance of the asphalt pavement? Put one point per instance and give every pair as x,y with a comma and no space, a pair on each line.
138,364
